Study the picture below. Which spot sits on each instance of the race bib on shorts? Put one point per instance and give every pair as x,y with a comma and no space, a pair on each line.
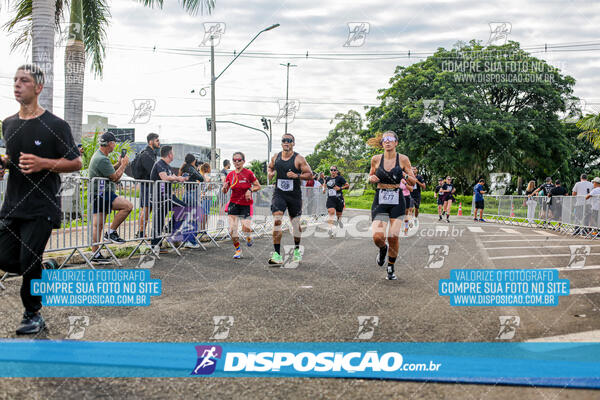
332,192
287,185
389,197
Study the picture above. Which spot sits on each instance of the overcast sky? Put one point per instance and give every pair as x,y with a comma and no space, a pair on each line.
252,86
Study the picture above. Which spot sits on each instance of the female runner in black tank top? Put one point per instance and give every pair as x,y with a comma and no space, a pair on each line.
387,171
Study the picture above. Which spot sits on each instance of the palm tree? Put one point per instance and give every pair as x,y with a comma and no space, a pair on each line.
591,128
87,37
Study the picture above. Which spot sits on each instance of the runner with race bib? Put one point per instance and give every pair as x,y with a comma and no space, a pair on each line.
334,185
290,167
387,171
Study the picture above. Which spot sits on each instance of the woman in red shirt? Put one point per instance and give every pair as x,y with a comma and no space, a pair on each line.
242,183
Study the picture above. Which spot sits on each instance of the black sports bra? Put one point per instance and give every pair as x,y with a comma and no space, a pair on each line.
392,177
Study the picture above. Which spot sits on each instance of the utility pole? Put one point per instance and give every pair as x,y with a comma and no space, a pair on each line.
213,80
287,90
213,111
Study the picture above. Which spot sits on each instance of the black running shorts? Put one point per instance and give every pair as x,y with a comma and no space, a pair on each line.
384,211
289,202
335,202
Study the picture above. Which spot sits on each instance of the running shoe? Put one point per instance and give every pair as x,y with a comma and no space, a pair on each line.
98,258
410,225
113,237
475,219
440,216
448,220
32,323
297,255
340,224
390,274
249,241
331,235
405,233
380,259
482,220
276,258
191,245
238,253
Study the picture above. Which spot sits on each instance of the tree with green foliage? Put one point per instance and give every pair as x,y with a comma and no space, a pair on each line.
500,113
259,169
344,146
590,124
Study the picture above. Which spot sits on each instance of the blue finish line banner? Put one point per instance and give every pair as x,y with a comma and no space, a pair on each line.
543,364
503,287
96,287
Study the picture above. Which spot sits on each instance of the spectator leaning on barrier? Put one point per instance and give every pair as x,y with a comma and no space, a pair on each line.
595,193
39,145
104,198
162,195
544,190
478,193
580,190
141,170
556,205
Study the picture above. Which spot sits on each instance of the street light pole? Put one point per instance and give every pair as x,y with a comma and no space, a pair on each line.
213,111
213,80
287,89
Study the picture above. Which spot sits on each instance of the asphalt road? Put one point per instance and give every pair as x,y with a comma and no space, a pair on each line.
322,299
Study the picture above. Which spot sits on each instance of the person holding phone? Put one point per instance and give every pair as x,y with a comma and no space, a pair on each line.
104,198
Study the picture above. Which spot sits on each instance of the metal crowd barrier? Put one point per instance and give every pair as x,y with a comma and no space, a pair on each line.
565,214
156,213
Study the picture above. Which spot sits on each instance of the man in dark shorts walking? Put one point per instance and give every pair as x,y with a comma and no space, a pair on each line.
290,167
478,193
416,193
334,185
39,146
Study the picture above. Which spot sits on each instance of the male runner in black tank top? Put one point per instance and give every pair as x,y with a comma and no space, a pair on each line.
290,167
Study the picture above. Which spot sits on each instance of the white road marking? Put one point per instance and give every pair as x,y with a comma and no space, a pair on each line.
577,269
475,229
544,233
508,230
442,228
589,336
532,247
538,255
535,240
586,290
509,234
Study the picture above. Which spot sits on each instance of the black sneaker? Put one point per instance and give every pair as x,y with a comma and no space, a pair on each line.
32,323
448,219
98,258
381,256
440,217
114,237
390,274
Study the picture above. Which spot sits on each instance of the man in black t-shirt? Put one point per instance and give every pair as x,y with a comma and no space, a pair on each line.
145,164
416,193
544,190
556,204
39,145
333,186
162,193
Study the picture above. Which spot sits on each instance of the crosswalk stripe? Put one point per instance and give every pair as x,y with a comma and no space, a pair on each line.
589,336
577,269
508,230
544,233
532,247
475,229
586,290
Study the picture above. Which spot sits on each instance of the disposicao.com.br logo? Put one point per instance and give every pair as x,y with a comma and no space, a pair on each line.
308,362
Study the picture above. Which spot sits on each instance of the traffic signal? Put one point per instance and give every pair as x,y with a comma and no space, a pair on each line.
208,124
265,123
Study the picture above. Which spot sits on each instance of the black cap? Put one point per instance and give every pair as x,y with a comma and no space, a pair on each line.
106,138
